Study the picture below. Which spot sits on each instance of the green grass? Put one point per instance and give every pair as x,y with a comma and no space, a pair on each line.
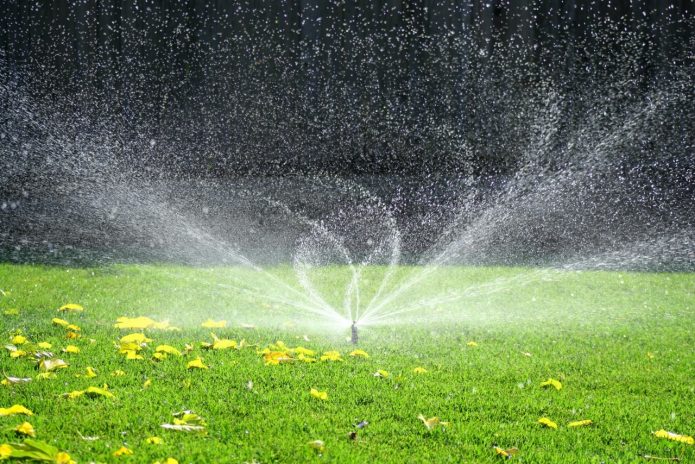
620,343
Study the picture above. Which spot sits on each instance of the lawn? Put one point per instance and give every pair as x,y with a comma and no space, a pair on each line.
620,345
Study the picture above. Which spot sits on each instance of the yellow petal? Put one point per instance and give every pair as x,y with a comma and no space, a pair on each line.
44,345
139,323
137,338
15,410
159,356
505,453
197,363
132,355
321,395
60,322
118,373
300,350
210,324
122,451
72,335
73,327
147,384
688,440
19,340
552,383
318,445
63,458
420,370
580,423
167,461
381,373
71,349
472,344
5,451
167,349
71,307
90,373
223,344
359,353
277,357
25,428
432,422
547,422
331,356
154,441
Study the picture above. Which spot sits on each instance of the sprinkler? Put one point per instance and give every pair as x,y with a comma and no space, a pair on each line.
353,339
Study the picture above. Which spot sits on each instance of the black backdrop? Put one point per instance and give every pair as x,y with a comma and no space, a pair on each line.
346,87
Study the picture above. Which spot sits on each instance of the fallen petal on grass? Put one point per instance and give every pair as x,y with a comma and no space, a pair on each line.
552,383
688,440
15,410
321,395
544,421
71,308
580,423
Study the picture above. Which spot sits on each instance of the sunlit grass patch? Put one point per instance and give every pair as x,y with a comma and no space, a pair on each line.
605,357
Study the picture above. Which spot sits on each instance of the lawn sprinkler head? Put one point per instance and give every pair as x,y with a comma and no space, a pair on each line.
353,327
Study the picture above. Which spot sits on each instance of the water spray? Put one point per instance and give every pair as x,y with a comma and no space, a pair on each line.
354,337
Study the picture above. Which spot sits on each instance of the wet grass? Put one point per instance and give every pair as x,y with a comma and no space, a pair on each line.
620,343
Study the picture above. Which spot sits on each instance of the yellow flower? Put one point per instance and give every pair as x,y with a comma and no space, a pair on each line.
210,324
132,355
60,322
139,323
90,373
547,422
359,353
5,451
71,307
154,441
580,423
63,458
72,335
71,349
44,345
167,349
505,453
331,356
118,373
223,344
552,383
688,440
432,422
301,351
14,410
147,384
17,353
122,451
318,445
276,357
159,356
19,340
136,338
167,461
321,395
25,428
420,370
381,373
197,363
472,344
73,327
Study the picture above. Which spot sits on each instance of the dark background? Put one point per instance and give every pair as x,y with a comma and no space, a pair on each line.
344,87
567,125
